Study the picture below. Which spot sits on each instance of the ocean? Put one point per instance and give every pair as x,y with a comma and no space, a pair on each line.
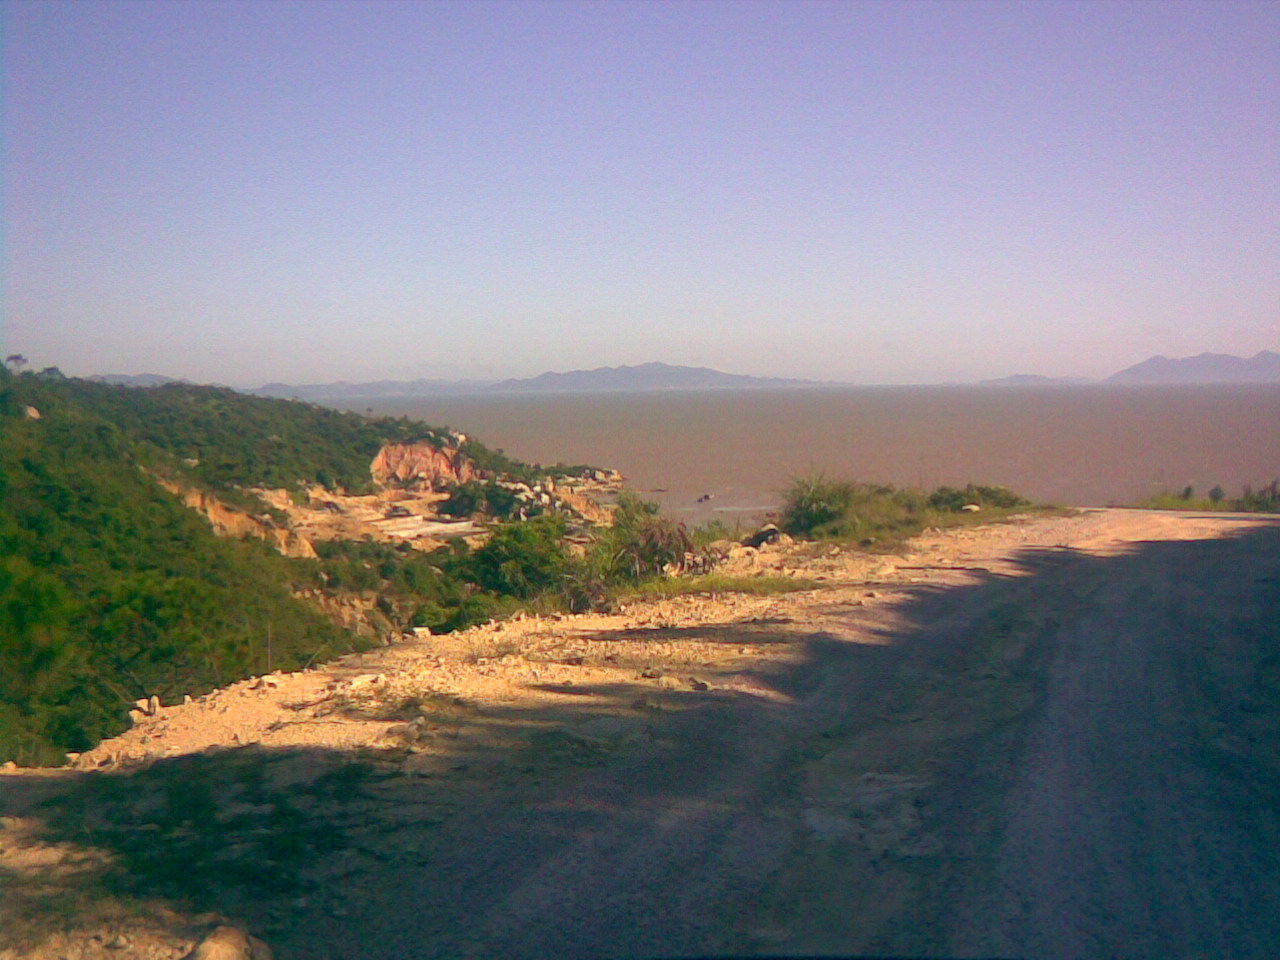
1081,445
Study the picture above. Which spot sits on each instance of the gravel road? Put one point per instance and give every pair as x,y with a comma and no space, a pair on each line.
1056,738
1061,741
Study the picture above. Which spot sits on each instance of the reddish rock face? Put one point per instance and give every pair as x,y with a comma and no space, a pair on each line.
231,522
422,464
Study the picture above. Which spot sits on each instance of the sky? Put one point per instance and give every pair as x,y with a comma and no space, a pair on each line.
872,192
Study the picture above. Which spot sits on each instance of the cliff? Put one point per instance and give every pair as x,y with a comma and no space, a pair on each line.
422,464
230,522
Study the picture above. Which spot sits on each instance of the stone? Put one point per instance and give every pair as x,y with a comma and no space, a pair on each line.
769,533
720,548
971,508
228,943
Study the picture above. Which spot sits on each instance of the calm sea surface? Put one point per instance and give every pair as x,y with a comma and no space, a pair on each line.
1082,446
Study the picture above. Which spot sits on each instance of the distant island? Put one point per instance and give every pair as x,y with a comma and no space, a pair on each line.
1033,380
1262,367
644,377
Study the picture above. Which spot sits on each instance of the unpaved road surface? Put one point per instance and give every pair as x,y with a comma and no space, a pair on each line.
1055,738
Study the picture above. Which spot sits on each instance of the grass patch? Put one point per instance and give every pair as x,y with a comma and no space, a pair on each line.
1266,499
882,517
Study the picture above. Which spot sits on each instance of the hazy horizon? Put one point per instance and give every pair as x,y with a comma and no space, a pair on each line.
865,192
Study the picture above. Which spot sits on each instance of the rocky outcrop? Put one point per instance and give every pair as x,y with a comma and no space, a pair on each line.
230,522
422,464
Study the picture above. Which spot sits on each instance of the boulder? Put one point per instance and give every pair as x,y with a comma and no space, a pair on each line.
228,943
720,548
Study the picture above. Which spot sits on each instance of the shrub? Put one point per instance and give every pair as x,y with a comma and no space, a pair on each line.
484,497
869,513
813,502
954,498
521,559
640,544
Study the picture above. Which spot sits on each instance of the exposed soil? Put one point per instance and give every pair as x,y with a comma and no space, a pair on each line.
1058,737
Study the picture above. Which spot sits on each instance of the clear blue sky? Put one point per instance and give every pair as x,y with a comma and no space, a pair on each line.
878,192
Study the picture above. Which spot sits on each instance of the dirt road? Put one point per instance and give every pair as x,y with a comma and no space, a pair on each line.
1058,738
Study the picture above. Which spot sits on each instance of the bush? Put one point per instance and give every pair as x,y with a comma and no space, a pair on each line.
869,513
521,559
487,498
813,502
640,544
953,498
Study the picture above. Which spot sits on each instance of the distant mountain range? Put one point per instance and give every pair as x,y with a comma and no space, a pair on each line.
645,377
1262,367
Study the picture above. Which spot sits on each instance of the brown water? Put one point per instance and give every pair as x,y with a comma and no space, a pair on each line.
1092,445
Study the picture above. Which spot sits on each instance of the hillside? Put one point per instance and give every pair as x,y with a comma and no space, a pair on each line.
115,586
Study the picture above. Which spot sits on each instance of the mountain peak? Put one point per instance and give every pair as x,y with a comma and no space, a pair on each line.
1262,367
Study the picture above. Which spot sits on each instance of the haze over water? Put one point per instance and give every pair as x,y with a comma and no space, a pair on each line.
1077,445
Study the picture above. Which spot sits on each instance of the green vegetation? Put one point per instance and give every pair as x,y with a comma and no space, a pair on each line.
870,514
486,498
1265,499
640,545
112,591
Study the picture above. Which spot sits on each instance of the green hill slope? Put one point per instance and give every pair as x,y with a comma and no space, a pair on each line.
112,591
